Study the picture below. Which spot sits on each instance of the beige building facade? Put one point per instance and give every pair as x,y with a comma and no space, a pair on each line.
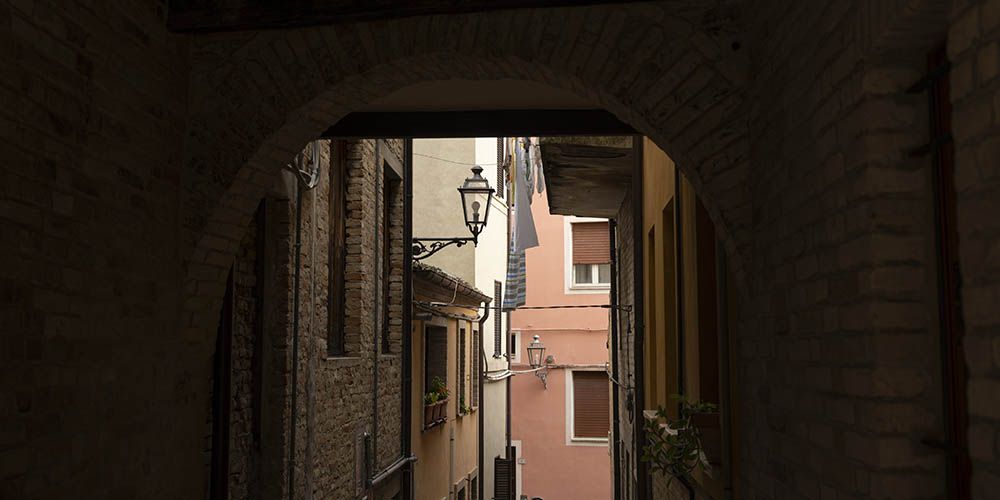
445,339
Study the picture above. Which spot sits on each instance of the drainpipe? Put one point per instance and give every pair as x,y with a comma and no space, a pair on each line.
304,180
377,331
482,400
407,375
638,311
615,449
310,381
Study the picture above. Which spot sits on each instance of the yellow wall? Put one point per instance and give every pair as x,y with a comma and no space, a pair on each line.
661,287
441,463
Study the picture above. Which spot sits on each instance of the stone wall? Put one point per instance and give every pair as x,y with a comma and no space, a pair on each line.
336,398
341,398
244,372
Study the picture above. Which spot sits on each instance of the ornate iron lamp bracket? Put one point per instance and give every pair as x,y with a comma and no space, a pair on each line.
425,247
543,375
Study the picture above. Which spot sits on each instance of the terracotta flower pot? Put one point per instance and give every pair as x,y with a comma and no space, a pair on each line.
442,409
429,414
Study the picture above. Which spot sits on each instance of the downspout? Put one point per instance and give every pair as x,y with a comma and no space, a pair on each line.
293,420
301,184
407,376
482,400
638,311
376,326
310,381
616,446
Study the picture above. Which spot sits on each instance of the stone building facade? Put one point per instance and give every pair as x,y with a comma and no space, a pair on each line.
135,158
340,418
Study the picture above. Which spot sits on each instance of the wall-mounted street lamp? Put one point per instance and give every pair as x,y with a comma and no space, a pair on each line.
476,197
538,361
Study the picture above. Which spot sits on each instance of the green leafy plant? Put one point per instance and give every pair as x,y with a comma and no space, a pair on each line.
464,408
430,398
438,386
437,393
673,446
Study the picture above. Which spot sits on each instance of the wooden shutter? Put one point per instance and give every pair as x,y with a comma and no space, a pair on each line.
503,478
477,355
590,243
435,355
497,318
590,405
461,370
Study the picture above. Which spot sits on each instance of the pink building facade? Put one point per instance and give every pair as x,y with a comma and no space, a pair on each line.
560,432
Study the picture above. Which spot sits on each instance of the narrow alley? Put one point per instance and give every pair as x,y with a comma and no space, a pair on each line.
500,250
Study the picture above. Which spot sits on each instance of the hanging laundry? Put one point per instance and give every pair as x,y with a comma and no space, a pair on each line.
515,288
524,224
536,164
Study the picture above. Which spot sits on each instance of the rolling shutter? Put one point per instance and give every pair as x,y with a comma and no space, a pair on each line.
590,405
590,243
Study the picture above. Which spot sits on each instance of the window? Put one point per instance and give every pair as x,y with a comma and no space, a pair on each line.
474,487
497,319
590,409
390,189
477,356
435,355
461,400
591,255
515,346
501,167
337,248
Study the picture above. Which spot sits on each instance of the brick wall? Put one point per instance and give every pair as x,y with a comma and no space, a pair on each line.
838,374
99,394
340,390
243,465
975,92
133,161
626,339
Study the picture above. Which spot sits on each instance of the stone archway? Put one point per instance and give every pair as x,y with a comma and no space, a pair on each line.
676,77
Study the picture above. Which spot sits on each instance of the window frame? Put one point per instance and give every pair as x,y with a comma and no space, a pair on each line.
391,184
514,347
498,340
337,249
571,438
462,358
436,322
475,369
571,287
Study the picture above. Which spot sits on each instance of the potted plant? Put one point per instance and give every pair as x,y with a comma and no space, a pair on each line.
429,400
462,407
439,387
435,402
674,446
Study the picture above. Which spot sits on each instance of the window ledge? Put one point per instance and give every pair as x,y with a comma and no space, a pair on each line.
576,441
343,359
590,287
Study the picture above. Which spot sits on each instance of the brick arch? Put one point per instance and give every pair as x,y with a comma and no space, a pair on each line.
261,96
